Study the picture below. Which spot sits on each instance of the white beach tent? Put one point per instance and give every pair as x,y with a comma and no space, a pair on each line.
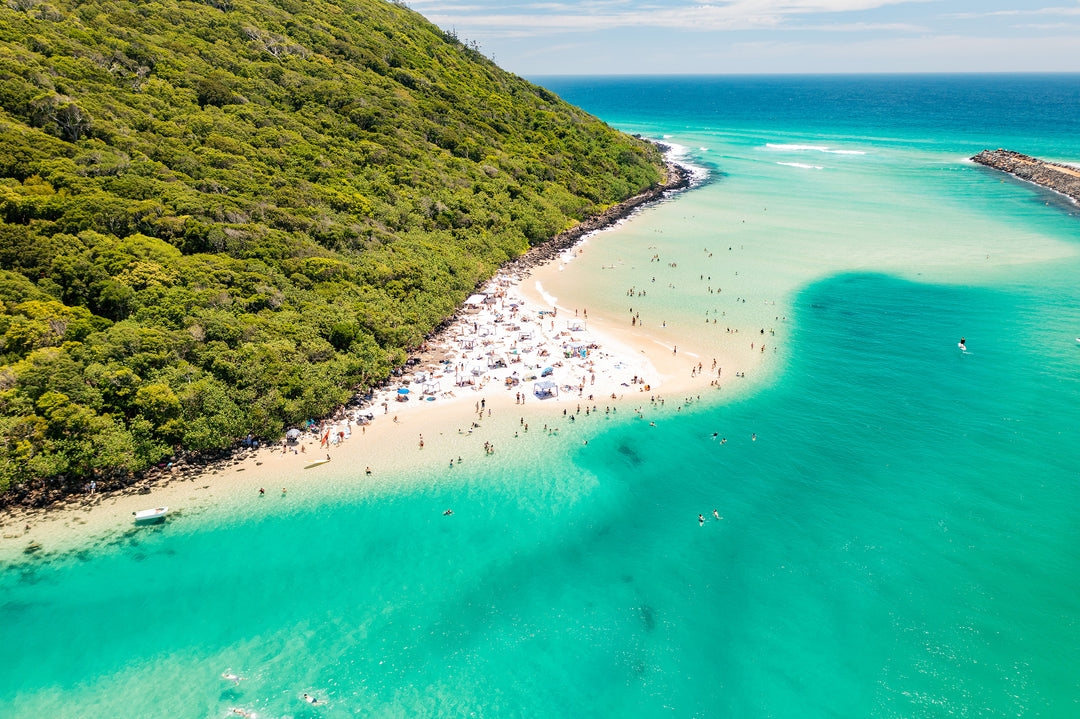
545,388
475,300
432,386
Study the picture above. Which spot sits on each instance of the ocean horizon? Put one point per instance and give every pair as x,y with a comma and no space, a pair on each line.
899,522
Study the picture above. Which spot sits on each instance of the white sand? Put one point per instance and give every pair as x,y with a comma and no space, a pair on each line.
526,341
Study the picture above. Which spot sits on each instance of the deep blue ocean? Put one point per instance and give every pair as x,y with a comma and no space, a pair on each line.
901,519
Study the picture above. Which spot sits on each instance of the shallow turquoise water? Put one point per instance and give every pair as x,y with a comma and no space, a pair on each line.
900,539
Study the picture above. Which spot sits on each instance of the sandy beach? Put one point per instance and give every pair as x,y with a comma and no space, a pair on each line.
514,356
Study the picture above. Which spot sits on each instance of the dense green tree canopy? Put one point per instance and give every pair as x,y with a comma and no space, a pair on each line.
221,217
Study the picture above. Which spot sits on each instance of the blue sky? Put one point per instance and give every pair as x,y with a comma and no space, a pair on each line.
766,36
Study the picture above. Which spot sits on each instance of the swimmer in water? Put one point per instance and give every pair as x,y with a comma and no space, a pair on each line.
310,699
701,520
716,514
448,512
232,677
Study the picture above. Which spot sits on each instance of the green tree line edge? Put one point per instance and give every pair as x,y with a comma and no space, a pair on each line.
223,218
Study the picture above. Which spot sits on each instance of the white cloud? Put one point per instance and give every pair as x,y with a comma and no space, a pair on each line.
700,18
863,27
592,5
1007,13
705,16
808,6
551,50
936,53
458,8
605,36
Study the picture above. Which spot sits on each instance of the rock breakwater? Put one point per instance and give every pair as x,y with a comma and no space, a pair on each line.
1060,178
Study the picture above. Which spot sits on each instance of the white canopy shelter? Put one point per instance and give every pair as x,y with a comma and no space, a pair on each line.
545,388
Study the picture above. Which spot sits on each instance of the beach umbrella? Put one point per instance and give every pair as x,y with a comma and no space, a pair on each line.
293,433
403,391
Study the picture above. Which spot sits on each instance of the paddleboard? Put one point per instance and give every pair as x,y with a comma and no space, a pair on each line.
315,463
962,346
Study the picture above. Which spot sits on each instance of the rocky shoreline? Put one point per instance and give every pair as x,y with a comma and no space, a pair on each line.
678,178
55,492
1059,178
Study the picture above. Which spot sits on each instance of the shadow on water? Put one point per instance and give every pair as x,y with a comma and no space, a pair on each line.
35,553
648,620
630,454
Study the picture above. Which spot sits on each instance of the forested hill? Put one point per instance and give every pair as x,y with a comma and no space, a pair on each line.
219,218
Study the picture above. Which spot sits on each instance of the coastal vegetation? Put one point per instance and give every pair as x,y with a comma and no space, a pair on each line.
224,217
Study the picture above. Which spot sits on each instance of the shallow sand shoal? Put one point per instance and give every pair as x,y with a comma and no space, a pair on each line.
620,363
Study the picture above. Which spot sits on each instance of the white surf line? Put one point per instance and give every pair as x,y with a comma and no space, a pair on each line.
550,299
811,148
675,155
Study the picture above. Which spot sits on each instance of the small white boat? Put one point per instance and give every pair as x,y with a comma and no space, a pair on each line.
151,515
